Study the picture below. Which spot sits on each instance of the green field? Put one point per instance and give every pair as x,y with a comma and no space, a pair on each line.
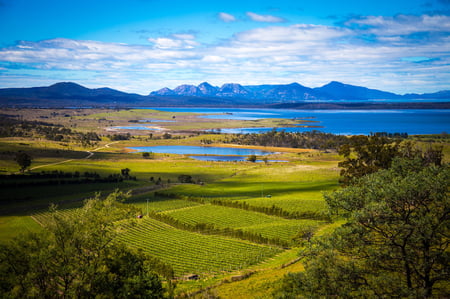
186,252
271,200
295,186
225,217
191,252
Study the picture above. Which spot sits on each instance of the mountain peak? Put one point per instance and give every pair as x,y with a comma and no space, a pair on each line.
232,89
207,89
204,84
163,92
67,86
336,83
187,90
340,91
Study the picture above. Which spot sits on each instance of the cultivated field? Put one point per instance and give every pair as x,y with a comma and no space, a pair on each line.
234,218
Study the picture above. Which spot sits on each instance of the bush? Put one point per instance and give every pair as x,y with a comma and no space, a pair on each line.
184,178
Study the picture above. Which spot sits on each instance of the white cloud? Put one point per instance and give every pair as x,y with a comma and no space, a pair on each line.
308,54
299,32
213,59
226,17
165,43
180,41
264,18
184,36
402,24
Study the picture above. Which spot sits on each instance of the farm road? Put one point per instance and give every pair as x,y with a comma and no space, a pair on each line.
90,154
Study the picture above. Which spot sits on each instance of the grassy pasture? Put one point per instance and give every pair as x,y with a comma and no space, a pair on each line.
85,120
213,256
295,186
11,226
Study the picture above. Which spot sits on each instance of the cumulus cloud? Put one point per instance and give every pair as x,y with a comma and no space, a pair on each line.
77,54
226,17
309,54
299,32
264,18
213,59
401,24
177,41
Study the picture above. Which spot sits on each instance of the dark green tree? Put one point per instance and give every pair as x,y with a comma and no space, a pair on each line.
251,158
125,172
367,154
147,155
23,159
78,257
395,243
185,178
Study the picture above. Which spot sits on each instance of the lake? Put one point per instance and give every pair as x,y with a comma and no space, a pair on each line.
133,128
156,121
201,150
229,159
348,122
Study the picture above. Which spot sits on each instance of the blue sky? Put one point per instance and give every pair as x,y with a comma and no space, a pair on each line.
144,45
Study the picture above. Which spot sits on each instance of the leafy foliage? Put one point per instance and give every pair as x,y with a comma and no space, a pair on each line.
185,178
395,243
118,137
23,159
148,155
313,139
251,158
368,154
11,127
77,257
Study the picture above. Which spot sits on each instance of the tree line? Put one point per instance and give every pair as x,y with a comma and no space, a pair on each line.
10,127
57,178
394,244
313,139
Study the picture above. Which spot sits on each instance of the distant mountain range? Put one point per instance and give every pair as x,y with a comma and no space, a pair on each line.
66,94
286,93
292,93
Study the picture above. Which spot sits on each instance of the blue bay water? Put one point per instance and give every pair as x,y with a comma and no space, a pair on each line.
351,122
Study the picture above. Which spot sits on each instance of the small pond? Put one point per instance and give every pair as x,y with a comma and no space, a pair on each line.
156,121
228,159
201,150
134,128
